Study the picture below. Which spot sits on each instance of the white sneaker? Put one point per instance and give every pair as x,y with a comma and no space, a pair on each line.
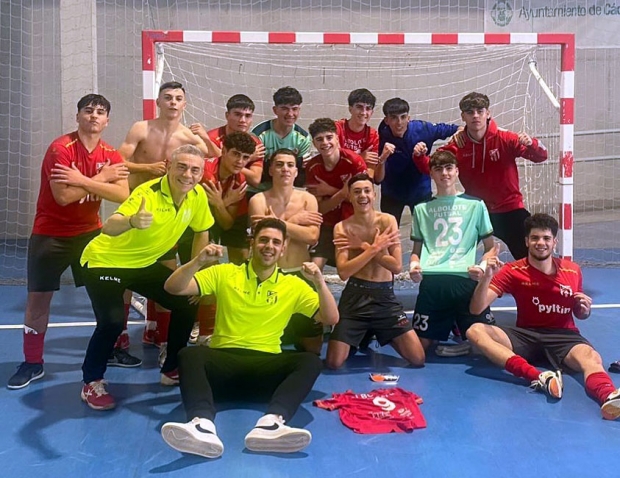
163,354
197,437
611,408
464,348
549,382
271,435
195,332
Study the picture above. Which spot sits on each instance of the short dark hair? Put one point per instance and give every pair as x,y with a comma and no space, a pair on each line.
322,125
474,101
362,95
270,223
241,102
541,221
171,85
240,141
286,151
441,158
93,99
359,177
395,106
287,95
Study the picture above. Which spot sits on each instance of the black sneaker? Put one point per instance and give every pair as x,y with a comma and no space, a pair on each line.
26,373
122,358
614,367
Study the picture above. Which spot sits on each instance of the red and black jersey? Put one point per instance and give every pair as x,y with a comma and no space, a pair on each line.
542,300
211,173
81,216
384,410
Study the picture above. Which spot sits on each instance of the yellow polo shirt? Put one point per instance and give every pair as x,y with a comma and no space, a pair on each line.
253,315
137,248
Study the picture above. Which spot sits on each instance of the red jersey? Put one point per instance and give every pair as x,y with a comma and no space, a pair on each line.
81,216
217,135
212,173
488,169
367,139
349,164
383,410
542,300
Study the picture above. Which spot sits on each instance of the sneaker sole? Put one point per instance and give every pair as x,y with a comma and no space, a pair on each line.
94,407
555,388
168,382
17,387
182,440
611,409
288,443
123,365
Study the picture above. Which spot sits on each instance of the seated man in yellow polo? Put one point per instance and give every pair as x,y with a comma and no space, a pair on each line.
255,301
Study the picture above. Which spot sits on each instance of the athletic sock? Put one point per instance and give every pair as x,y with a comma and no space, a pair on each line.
599,385
519,367
206,319
33,345
163,323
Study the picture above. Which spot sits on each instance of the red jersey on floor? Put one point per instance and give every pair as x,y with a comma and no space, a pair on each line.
211,173
383,410
349,164
217,135
542,300
81,216
357,141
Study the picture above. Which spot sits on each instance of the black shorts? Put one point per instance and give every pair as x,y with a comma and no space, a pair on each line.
49,257
325,247
236,236
536,344
301,326
443,300
369,306
510,228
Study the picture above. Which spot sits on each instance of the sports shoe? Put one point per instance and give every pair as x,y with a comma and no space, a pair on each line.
271,435
464,348
169,379
122,358
123,341
195,332
96,396
197,437
550,383
611,408
150,335
163,354
26,373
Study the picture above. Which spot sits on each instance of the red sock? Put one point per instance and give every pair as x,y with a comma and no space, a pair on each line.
206,319
163,322
599,386
519,367
33,346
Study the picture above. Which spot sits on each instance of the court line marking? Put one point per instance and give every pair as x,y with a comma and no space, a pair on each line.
141,322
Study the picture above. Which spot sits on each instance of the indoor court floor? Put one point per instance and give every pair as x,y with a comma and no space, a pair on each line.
481,422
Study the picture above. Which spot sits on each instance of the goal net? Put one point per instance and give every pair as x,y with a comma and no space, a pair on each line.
431,72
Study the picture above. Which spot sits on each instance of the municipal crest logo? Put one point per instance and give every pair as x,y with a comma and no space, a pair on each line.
501,13
566,291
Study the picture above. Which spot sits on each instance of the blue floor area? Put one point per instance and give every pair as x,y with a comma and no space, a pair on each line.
482,422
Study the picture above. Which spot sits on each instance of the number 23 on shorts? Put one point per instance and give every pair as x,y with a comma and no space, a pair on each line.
420,322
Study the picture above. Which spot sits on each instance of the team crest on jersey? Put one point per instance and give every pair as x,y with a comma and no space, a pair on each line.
344,177
494,154
100,166
566,291
272,297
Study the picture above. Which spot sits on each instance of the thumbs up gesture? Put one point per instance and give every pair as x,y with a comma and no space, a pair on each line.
142,219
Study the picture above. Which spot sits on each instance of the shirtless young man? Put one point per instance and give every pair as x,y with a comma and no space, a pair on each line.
300,212
368,254
146,150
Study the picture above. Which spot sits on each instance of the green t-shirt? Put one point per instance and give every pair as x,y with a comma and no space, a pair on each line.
449,228
137,248
253,315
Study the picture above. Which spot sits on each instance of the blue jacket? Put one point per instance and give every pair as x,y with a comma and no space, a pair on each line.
403,181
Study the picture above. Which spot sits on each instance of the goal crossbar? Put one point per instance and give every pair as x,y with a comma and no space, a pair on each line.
566,42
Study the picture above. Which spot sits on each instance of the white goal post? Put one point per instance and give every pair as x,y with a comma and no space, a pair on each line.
431,70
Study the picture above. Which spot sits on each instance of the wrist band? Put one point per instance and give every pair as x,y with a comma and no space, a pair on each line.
131,226
413,265
482,265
